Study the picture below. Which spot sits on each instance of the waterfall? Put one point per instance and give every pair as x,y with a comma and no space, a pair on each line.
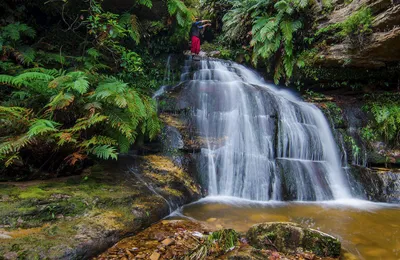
260,142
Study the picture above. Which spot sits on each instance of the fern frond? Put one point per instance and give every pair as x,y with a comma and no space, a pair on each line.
20,95
92,52
42,126
25,55
61,101
14,144
98,140
104,152
86,123
6,79
92,106
25,78
14,113
11,159
124,144
123,123
131,22
287,30
147,3
73,158
52,72
77,82
65,137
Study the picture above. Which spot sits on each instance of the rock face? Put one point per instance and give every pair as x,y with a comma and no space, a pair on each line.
376,184
291,238
379,49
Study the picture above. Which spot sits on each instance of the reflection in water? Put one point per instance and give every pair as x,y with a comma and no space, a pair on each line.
372,232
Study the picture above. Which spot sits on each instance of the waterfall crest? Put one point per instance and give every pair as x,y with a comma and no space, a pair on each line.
261,143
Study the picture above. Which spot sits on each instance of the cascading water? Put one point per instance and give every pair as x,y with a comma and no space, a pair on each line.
261,143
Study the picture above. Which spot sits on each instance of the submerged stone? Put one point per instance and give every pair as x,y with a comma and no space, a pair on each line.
291,238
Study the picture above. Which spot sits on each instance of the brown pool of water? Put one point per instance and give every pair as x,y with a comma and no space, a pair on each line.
367,230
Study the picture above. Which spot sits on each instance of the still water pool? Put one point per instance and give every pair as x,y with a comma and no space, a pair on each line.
367,230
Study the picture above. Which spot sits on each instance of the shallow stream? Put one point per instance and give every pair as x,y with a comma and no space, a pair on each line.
367,230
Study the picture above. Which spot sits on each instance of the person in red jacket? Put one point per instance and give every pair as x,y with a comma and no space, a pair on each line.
195,34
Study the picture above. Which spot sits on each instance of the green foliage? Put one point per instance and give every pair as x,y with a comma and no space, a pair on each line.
273,35
11,43
272,29
184,17
216,244
238,20
335,113
12,33
81,113
82,87
357,25
386,122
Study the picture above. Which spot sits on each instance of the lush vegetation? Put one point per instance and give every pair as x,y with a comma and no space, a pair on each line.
270,30
76,85
385,123
354,28
282,36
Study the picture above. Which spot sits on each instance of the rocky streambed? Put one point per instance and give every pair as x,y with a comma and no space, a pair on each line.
185,239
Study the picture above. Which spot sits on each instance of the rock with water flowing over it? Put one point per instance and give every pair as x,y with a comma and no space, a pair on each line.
291,238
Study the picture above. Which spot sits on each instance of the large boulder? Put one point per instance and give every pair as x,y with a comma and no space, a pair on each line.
291,238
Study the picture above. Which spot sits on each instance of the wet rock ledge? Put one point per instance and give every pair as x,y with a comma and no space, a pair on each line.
81,216
182,239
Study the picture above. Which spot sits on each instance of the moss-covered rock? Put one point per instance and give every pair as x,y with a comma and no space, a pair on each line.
291,238
80,216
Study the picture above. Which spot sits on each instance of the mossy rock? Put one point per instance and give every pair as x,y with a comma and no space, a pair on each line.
291,238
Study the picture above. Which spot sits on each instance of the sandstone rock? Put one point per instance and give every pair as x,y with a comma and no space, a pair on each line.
167,242
291,238
340,14
381,48
155,256
387,19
